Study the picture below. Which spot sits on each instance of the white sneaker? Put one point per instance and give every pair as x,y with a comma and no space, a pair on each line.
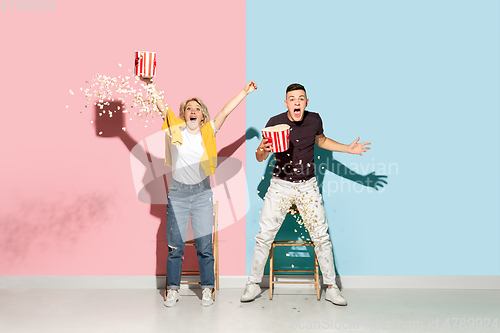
206,299
252,290
172,298
333,295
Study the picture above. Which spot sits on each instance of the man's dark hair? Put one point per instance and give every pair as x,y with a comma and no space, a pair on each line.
295,86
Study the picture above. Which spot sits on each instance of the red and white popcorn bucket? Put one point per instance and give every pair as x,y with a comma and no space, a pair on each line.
279,136
145,64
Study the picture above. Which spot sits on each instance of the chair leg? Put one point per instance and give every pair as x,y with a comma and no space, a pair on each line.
316,278
216,244
271,271
165,290
216,270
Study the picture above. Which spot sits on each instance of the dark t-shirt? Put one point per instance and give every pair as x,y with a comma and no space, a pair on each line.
297,163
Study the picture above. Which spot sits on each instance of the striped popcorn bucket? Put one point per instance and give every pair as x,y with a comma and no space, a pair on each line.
145,64
279,136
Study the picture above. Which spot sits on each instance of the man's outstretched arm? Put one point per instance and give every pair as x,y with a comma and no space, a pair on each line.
354,148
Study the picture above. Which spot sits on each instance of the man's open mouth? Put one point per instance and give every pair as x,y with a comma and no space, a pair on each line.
296,112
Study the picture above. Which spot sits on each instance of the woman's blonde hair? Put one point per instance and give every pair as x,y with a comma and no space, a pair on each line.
204,110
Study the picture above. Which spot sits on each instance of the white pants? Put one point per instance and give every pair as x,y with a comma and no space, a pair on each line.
280,196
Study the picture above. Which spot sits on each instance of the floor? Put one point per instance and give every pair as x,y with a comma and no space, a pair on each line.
291,310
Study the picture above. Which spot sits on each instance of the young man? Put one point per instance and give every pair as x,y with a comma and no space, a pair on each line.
294,182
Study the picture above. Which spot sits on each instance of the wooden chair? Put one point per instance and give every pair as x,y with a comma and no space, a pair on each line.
272,271
215,244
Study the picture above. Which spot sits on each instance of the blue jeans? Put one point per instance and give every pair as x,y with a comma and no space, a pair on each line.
185,201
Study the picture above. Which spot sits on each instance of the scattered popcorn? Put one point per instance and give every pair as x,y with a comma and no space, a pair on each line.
71,92
100,133
123,129
108,89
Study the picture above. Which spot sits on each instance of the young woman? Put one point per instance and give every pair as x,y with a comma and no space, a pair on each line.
191,151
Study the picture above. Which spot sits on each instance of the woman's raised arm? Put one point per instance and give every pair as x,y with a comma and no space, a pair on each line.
232,104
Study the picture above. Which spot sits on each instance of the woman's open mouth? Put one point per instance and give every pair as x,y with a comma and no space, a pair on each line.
192,118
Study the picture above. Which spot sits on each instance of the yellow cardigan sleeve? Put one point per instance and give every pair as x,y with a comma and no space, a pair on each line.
172,126
209,159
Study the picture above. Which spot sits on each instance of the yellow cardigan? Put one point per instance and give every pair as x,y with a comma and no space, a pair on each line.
172,127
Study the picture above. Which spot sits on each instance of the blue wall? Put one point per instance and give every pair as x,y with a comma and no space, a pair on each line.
420,81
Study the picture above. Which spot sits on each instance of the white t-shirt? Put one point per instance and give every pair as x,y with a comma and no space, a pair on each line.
186,158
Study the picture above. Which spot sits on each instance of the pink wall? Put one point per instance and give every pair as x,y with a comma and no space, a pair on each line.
68,203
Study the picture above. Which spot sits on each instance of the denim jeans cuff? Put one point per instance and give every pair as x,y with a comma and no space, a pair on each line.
173,287
209,287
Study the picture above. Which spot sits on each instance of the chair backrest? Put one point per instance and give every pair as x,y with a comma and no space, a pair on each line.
216,222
